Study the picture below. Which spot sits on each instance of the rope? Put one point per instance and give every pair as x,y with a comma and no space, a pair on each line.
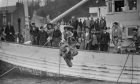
7,72
132,69
123,68
59,68
125,64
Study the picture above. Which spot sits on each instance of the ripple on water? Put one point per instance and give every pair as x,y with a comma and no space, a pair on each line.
29,79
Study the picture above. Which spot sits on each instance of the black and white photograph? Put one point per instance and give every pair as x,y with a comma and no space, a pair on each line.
69,41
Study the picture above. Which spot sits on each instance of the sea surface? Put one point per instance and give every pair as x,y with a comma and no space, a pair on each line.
17,78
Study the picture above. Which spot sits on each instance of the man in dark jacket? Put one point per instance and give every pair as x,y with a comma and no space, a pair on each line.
34,31
105,39
43,35
56,36
10,33
136,39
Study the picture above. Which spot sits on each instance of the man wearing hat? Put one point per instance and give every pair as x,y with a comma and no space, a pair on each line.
43,35
34,34
136,39
105,40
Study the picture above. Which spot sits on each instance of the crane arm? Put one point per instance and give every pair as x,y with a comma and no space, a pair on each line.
68,11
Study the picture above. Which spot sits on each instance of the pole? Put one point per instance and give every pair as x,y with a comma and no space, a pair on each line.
132,69
19,21
68,11
59,69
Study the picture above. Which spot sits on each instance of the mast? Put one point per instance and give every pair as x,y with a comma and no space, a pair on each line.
26,29
68,11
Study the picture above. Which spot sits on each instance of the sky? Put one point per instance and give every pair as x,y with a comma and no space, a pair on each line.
10,2
3,3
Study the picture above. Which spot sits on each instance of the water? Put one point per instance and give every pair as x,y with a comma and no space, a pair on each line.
17,78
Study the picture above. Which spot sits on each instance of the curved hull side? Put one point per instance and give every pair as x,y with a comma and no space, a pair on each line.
91,65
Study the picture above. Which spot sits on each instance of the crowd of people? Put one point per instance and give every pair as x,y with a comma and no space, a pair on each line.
7,33
89,34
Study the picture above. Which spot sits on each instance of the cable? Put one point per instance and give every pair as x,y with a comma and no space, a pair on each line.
7,72
125,64
132,69
123,68
59,68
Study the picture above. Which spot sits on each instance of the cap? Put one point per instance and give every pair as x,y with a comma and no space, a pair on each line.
41,27
116,23
135,29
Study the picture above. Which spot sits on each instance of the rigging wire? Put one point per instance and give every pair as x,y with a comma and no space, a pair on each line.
59,68
132,68
125,64
123,68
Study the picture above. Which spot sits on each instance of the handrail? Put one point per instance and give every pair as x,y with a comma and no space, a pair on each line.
51,47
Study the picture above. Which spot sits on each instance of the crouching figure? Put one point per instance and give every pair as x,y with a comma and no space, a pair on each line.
67,52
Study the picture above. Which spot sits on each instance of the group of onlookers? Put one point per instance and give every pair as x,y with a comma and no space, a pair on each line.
48,36
7,33
89,34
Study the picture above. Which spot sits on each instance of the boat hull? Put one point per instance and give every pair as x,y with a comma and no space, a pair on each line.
87,64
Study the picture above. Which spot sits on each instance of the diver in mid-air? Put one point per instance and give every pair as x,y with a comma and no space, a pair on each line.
68,47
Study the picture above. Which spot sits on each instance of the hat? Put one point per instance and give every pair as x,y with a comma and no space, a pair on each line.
49,24
32,23
86,27
41,27
116,23
68,27
105,28
135,29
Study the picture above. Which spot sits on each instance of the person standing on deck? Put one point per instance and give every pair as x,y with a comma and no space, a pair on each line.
87,39
56,36
136,39
10,33
50,31
92,23
88,23
94,42
42,36
116,35
34,34
105,40
2,33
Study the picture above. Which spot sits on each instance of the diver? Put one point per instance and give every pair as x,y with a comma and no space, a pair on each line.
68,47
